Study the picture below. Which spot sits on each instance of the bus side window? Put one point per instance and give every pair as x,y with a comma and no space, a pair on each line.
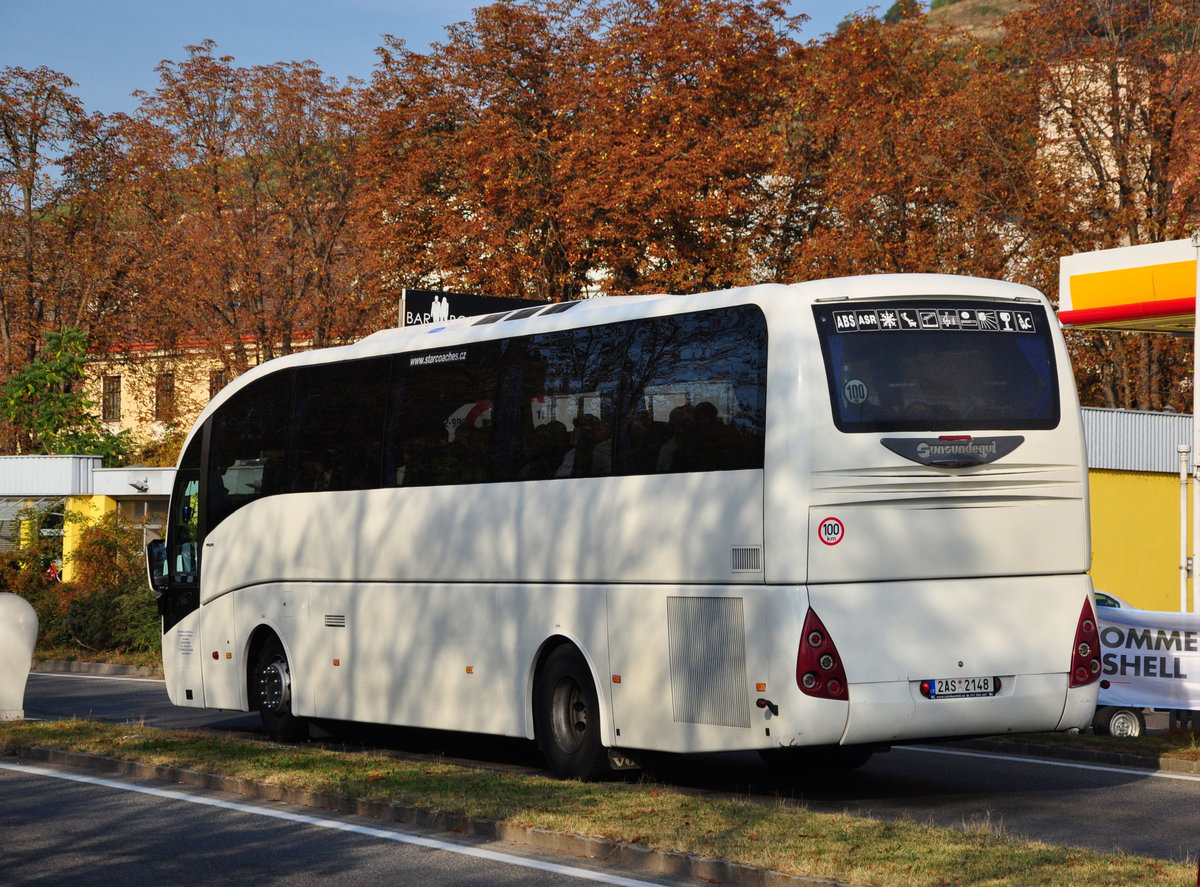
697,393
439,427
248,446
337,426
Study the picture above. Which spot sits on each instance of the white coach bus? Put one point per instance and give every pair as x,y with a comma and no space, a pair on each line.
831,516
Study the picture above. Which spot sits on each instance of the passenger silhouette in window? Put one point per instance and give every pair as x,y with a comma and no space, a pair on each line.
550,444
582,460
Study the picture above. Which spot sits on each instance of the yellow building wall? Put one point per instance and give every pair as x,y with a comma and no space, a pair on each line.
138,371
1135,537
137,384
90,508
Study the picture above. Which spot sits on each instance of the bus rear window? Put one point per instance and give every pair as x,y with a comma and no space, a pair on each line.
939,365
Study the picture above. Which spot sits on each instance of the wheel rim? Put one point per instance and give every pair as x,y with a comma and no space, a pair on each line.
569,715
1123,724
275,686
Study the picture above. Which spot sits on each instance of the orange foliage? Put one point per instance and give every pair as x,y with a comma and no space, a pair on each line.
237,184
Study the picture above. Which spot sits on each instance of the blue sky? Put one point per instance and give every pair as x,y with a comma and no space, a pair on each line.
111,47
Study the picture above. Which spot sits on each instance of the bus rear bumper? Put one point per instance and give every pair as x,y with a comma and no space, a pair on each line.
897,711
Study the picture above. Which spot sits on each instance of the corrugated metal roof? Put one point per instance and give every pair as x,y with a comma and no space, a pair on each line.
1130,440
39,476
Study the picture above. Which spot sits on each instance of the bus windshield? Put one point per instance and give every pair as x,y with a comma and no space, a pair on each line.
925,365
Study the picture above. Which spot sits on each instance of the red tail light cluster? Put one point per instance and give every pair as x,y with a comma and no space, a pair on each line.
1085,658
819,670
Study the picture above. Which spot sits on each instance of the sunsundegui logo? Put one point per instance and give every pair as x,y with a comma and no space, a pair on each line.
984,449
955,452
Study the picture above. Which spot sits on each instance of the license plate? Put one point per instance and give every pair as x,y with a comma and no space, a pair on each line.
957,688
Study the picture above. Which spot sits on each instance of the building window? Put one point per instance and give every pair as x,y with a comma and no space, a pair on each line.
111,399
164,397
217,380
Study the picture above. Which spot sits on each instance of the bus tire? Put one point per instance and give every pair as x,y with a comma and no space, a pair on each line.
1111,720
271,690
566,716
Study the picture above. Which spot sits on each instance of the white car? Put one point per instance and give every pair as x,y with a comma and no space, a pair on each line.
1106,599
1111,720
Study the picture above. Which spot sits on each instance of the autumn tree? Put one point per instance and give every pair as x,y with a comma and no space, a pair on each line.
94,240
918,142
38,115
549,148
466,181
673,154
1116,83
238,182
62,255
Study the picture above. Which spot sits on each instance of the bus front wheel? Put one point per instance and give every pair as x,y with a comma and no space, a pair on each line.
567,717
271,687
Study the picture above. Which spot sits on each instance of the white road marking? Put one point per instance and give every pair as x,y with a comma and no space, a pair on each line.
321,822
1047,762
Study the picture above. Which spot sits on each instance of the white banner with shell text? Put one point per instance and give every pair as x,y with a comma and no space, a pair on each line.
1151,658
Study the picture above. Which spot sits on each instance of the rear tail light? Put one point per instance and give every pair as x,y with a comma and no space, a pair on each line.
819,670
1085,657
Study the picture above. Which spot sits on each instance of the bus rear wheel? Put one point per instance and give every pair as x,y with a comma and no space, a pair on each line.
271,688
567,717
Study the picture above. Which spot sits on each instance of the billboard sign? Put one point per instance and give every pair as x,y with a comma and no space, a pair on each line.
1151,659
430,306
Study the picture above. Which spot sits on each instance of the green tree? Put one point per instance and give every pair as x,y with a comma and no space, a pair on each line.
902,9
110,605
46,402
26,570
107,606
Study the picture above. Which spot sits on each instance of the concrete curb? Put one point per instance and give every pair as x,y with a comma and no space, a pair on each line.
629,856
103,669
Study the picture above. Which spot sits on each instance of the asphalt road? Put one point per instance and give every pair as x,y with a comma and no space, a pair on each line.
1103,808
61,826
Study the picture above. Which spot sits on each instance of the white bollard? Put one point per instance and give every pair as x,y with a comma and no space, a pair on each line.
18,634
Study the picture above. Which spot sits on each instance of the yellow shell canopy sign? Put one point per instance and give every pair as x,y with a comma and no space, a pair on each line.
1150,288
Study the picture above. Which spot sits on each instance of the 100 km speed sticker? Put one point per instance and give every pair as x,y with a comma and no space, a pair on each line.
831,531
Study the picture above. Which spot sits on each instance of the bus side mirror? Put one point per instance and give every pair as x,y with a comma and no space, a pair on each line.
156,566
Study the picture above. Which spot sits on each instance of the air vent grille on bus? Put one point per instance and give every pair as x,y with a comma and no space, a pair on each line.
706,638
489,318
747,559
338,621
560,308
524,312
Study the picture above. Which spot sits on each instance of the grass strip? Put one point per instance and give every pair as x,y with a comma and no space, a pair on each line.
1179,745
781,835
